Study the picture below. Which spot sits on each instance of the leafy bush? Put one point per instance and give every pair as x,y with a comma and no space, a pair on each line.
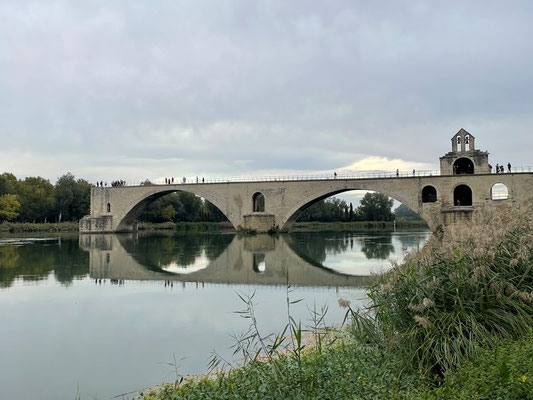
471,285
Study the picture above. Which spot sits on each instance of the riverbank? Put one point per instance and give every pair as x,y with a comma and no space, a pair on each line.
454,321
39,227
219,226
355,226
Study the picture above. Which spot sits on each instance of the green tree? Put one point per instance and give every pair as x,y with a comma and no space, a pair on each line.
36,197
8,207
375,207
8,184
168,213
72,198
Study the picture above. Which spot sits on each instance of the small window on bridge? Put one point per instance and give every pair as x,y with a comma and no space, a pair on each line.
499,191
259,263
462,196
463,166
108,207
258,202
429,194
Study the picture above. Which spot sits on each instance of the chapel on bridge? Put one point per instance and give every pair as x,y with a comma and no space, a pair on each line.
464,159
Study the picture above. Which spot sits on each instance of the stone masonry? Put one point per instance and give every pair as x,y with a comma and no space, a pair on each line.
115,209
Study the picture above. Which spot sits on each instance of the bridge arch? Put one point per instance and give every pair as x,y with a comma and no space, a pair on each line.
130,203
308,201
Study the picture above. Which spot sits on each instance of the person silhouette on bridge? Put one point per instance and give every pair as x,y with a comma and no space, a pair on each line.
203,180
172,180
397,173
490,168
509,166
497,168
413,172
334,175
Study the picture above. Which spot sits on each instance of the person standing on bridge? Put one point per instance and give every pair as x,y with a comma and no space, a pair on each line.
509,167
172,180
397,173
334,175
497,169
203,180
490,169
413,172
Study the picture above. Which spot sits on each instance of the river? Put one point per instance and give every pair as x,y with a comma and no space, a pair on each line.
108,313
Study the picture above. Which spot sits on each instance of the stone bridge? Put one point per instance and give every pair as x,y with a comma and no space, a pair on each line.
464,183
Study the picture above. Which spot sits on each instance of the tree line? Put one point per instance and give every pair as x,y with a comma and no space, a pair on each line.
35,199
372,207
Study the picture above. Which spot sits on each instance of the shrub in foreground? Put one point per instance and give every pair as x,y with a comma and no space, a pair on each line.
471,285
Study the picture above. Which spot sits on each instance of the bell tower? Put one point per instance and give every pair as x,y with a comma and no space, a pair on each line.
464,159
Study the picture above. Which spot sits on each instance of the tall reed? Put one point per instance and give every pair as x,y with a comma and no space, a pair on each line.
472,283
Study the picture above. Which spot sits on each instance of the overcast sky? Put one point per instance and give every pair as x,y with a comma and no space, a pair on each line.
148,89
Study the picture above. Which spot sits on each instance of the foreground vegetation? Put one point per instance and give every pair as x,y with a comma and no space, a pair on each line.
454,321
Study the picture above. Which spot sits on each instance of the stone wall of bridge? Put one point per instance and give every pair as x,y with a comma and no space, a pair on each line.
116,209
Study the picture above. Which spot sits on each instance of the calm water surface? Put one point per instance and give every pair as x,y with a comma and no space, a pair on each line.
108,312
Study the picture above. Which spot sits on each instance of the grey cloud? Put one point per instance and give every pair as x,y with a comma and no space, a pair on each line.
301,86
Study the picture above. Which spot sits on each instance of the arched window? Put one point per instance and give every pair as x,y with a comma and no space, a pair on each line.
429,194
108,207
259,263
463,166
499,191
462,196
258,202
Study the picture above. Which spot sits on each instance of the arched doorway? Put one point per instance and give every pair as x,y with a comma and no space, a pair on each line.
258,202
463,166
429,194
462,196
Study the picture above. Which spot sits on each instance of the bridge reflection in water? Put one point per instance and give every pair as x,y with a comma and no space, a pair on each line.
259,259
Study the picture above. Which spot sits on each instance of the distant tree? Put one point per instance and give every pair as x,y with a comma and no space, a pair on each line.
375,207
83,194
329,210
212,213
405,213
168,213
8,207
192,206
72,198
36,197
8,184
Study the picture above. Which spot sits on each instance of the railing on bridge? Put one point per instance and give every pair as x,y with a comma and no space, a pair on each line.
330,176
